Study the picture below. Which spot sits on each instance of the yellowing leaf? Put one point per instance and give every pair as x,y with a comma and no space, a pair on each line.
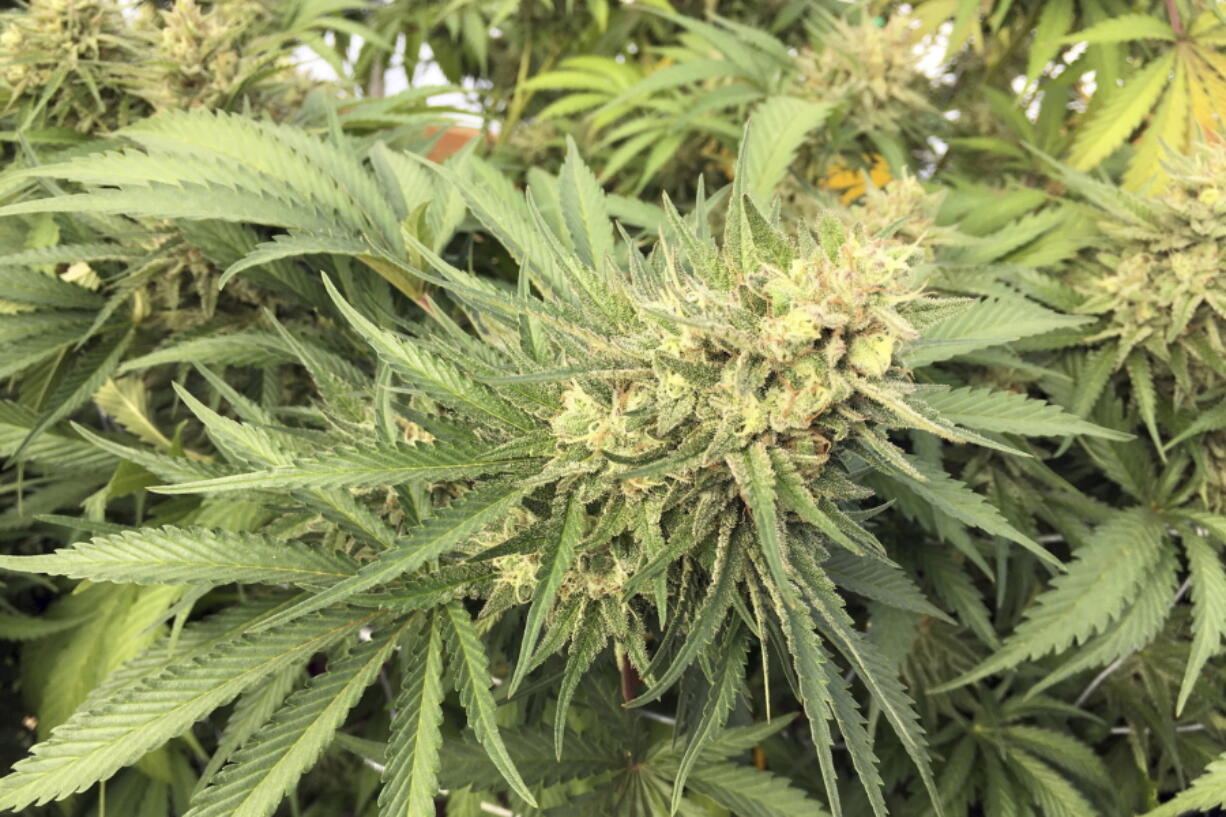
1167,131
1122,112
124,399
1207,83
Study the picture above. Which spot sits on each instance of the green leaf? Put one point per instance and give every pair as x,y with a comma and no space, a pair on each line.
446,529
957,500
85,375
171,555
472,681
1208,610
880,581
438,379
1009,412
16,627
247,153
555,564
1054,20
117,729
251,442
1214,523
748,792
810,661
878,675
822,515
371,464
1092,373
270,763
700,632
726,686
583,206
1141,378
1209,420
190,201
294,245
1206,793
192,643
1116,119
756,478
1136,628
465,763
229,349
431,589
1122,28
69,254
589,639
856,738
777,128
125,399
965,28
251,712
983,325
64,452
410,778
954,585
1062,750
1054,794
27,286
1099,585
1166,133
112,626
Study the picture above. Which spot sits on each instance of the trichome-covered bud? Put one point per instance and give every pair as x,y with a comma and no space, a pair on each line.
871,67
791,350
1160,287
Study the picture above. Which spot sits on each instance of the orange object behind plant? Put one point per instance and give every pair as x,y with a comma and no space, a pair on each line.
850,183
453,138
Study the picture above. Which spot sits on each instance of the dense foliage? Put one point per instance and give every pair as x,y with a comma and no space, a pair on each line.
778,408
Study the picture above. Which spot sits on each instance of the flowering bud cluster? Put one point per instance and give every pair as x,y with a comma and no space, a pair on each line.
110,68
1161,284
51,37
871,67
793,354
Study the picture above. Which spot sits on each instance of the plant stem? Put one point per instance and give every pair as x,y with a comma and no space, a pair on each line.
630,680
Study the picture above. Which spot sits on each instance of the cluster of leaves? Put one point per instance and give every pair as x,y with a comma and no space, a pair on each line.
504,492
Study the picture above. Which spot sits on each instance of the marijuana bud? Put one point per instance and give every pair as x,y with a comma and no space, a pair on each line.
1160,294
203,58
871,67
794,352
1160,287
103,68
80,41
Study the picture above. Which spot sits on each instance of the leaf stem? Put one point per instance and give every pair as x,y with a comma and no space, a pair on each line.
1173,12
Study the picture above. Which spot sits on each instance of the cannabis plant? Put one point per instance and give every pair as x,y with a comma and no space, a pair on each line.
340,478
666,454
